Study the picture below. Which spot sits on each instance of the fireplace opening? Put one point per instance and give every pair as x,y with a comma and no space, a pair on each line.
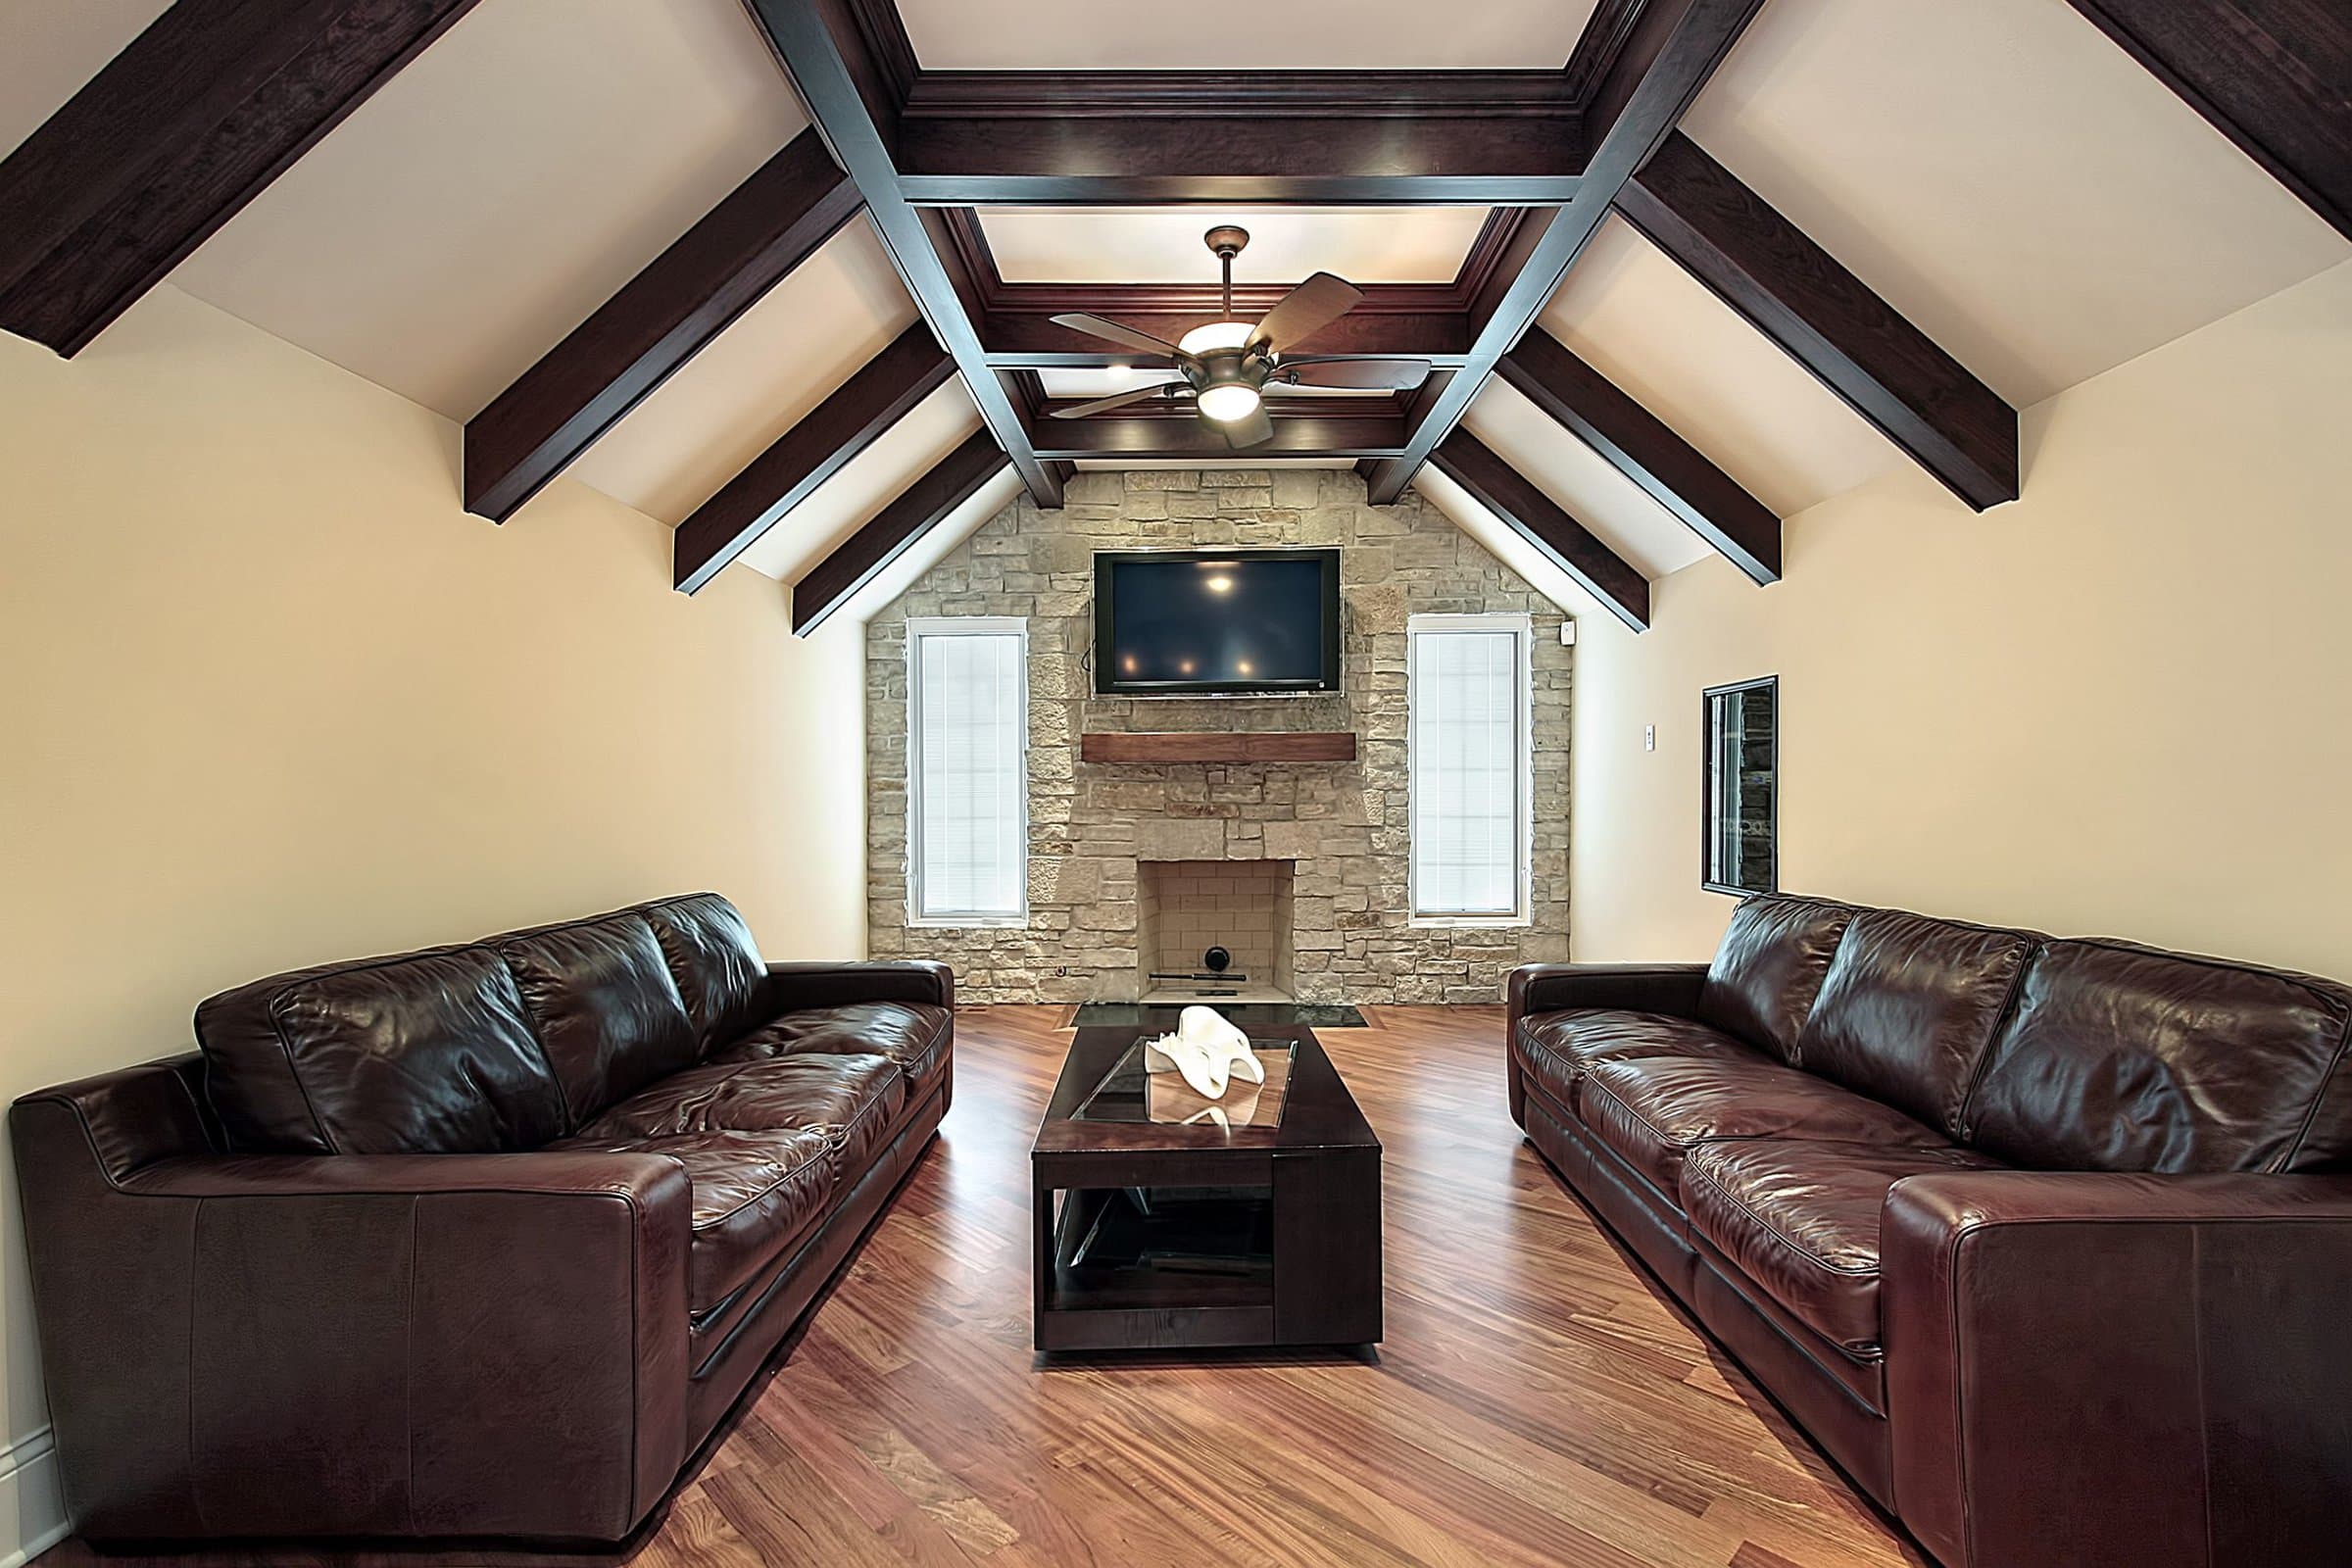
1186,909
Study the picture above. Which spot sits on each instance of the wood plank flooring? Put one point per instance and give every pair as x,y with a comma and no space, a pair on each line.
1535,1401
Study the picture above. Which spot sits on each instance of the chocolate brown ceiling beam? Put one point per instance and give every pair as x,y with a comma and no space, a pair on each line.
832,582
173,136
1856,344
884,389
2272,75
660,318
1665,56
850,86
1329,430
1036,138
1539,519
1637,444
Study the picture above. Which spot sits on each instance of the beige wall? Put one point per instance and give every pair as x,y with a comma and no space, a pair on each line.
2123,703
271,697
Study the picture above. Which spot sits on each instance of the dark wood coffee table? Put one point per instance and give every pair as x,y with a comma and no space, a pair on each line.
1155,1233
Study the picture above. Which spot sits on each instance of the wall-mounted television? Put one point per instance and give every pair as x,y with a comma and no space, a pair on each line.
1236,622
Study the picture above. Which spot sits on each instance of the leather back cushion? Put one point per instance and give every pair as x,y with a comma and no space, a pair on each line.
716,965
1766,973
427,1054
1909,1008
607,1014
2121,1058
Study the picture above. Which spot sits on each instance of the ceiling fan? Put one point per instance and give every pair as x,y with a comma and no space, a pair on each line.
1228,366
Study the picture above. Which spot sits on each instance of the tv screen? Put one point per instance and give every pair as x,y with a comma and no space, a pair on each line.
1187,622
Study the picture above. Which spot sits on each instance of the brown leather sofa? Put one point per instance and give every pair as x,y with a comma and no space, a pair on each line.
482,1241
2047,1242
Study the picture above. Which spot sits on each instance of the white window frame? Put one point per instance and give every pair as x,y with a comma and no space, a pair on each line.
1521,626
920,628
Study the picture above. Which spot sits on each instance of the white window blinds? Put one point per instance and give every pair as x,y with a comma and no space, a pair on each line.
967,768
1466,699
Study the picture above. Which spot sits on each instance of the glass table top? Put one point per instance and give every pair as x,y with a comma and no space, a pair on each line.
1132,1093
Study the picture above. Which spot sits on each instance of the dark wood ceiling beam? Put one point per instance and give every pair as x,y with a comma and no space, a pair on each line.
1168,138
1539,519
1663,59
1327,430
1640,445
882,392
2272,75
850,92
173,136
832,582
1856,344
637,339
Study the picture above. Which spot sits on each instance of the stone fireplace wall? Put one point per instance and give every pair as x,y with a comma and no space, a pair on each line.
1343,826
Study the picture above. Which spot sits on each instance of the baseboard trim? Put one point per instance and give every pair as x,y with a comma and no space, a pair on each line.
32,1505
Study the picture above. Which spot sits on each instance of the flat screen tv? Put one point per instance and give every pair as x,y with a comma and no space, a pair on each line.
1195,622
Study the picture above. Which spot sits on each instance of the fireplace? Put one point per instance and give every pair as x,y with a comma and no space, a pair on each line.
1185,908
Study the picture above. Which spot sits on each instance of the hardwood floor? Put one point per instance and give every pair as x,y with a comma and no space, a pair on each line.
1535,1401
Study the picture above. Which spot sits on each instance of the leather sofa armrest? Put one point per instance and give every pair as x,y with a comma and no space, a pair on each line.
788,987
2090,1367
1671,988
358,1344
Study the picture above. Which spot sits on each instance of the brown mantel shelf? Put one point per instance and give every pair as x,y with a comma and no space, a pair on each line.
1264,745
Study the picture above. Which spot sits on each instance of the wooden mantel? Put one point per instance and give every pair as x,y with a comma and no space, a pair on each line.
1277,746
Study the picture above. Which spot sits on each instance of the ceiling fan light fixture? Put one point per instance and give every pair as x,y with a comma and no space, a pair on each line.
1217,335
1229,402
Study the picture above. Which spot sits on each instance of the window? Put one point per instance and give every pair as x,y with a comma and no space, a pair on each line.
967,770
1742,788
1467,699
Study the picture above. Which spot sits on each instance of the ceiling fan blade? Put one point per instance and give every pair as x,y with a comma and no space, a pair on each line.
1240,433
1306,309
1120,401
1379,375
1110,331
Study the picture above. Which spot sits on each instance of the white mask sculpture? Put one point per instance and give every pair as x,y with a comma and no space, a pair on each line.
1207,1051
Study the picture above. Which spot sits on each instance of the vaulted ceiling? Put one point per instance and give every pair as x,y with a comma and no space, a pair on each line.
1736,259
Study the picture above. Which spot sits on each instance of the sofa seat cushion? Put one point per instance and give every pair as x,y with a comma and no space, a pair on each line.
1557,1049
1656,1110
754,1194
852,1099
913,1034
1800,1219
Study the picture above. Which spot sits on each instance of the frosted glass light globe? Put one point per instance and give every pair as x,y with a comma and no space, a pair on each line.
1229,402
1217,335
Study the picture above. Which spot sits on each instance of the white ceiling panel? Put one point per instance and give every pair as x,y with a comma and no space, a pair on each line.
866,483
779,360
2022,189
500,188
1721,385
1612,508
1163,245
52,48
1241,34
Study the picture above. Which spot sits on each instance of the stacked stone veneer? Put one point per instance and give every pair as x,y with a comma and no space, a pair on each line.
1343,826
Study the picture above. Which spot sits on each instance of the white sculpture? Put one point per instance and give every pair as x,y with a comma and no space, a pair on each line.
1207,1051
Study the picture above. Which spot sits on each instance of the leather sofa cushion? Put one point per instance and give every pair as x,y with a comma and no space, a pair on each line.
1769,968
1801,1221
2120,1057
427,1054
608,1013
714,961
850,1100
1656,1110
911,1034
1909,1008
1557,1049
754,1194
